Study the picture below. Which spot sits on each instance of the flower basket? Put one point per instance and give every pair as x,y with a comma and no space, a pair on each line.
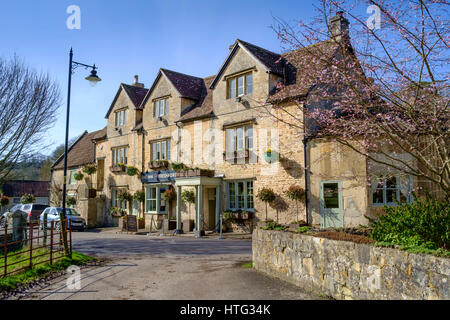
117,169
158,164
4,201
132,171
78,176
169,195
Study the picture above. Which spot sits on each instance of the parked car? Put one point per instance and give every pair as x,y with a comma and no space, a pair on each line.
74,218
33,211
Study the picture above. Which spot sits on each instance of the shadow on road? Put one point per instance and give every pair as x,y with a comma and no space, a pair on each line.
146,246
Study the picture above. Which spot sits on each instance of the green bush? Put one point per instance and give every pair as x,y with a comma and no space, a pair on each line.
227,215
425,223
274,226
303,229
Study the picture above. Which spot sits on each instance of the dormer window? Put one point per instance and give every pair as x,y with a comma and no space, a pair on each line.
160,107
121,118
240,85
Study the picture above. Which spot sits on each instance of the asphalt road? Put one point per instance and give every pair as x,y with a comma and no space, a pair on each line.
153,267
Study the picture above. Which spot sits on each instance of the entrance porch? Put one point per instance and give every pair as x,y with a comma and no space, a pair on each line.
208,196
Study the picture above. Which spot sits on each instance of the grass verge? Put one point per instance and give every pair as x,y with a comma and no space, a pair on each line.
12,282
248,265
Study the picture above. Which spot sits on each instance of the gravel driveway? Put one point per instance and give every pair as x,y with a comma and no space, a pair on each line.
153,267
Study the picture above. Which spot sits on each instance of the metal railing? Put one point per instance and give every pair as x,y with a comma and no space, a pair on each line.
29,242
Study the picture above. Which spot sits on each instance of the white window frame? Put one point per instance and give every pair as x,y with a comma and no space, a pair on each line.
158,104
157,148
116,202
233,140
233,86
121,118
119,155
159,193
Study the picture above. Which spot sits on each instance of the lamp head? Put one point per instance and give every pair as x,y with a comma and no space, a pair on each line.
93,78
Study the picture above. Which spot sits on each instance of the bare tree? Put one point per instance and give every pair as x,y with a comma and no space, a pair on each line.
381,90
28,105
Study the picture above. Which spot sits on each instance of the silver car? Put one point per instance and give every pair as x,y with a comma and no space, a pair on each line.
75,219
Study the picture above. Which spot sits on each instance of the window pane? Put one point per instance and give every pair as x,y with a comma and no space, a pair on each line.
162,202
249,83
155,109
240,138
163,150
250,195
377,196
124,117
241,199
168,150
331,195
126,155
240,86
154,151
158,151
249,134
391,194
231,145
167,106
161,108
232,88
232,195
391,182
117,119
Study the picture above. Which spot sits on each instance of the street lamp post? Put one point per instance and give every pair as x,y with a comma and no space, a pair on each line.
93,79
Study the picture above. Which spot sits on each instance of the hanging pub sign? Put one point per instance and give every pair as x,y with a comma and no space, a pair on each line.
158,176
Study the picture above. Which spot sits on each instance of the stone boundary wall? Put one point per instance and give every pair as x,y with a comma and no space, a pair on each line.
347,270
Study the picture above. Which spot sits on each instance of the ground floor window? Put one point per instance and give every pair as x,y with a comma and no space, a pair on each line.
240,195
152,195
116,202
387,191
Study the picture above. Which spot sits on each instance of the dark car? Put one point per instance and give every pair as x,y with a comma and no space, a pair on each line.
32,210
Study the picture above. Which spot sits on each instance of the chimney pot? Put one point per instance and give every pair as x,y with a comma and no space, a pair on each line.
136,82
339,27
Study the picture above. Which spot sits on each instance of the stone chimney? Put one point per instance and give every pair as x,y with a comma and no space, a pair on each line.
136,82
339,27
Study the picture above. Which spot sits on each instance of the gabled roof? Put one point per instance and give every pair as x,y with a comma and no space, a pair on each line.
273,62
136,95
187,86
17,188
204,107
81,152
297,82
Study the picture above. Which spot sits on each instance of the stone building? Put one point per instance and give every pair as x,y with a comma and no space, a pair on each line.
15,189
87,191
222,127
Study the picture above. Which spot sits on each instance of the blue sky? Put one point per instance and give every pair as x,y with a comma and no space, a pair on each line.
131,37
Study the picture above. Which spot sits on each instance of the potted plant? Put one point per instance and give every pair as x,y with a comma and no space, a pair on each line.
132,171
139,196
266,195
141,223
27,198
71,201
188,196
126,196
295,193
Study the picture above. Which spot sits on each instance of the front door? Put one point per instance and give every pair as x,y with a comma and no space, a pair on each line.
331,205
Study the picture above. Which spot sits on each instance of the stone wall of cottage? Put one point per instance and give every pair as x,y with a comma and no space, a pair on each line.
115,138
347,270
